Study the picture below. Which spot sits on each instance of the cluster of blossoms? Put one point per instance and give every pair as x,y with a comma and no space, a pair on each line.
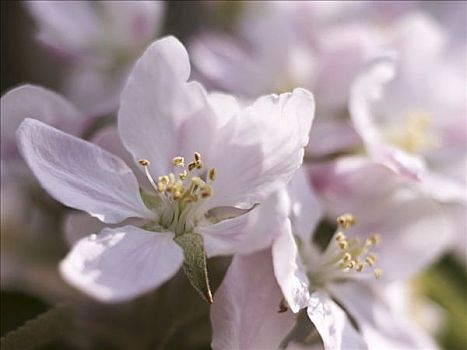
328,208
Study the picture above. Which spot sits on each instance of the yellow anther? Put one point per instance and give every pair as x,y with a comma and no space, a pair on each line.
346,220
207,191
340,236
360,267
199,164
163,179
378,273
144,162
178,161
371,259
197,157
351,264
192,166
212,174
373,240
343,245
183,175
347,257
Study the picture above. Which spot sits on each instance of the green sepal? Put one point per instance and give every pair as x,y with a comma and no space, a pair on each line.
194,264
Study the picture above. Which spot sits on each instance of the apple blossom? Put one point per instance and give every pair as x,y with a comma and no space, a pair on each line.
342,285
100,41
214,162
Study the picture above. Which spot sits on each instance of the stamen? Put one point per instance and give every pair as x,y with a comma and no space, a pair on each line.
343,245
192,166
145,163
346,220
207,191
212,174
351,253
340,236
347,257
178,161
197,157
378,273
373,240
183,175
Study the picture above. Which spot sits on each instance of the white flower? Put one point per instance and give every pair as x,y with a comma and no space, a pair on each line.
340,283
208,162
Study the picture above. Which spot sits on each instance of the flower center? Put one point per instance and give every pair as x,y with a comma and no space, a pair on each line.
181,194
345,256
415,135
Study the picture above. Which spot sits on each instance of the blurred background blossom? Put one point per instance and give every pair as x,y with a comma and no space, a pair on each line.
389,144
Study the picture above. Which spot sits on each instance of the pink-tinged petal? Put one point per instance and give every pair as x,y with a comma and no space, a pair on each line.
260,152
94,90
332,323
245,314
123,263
408,165
29,101
382,325
79,174
70,26
413,227
365,92
161,115
289,271
227,64
247,232
306,211
328,137
131,24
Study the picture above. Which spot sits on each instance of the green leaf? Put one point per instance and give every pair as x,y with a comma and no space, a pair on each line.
195,263
41,330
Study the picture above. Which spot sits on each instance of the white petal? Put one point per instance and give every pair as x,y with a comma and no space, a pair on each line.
121,264
261,152
382,326
160,112
306,211
244,314
289,271
333,324
29,101
80,174
251,231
